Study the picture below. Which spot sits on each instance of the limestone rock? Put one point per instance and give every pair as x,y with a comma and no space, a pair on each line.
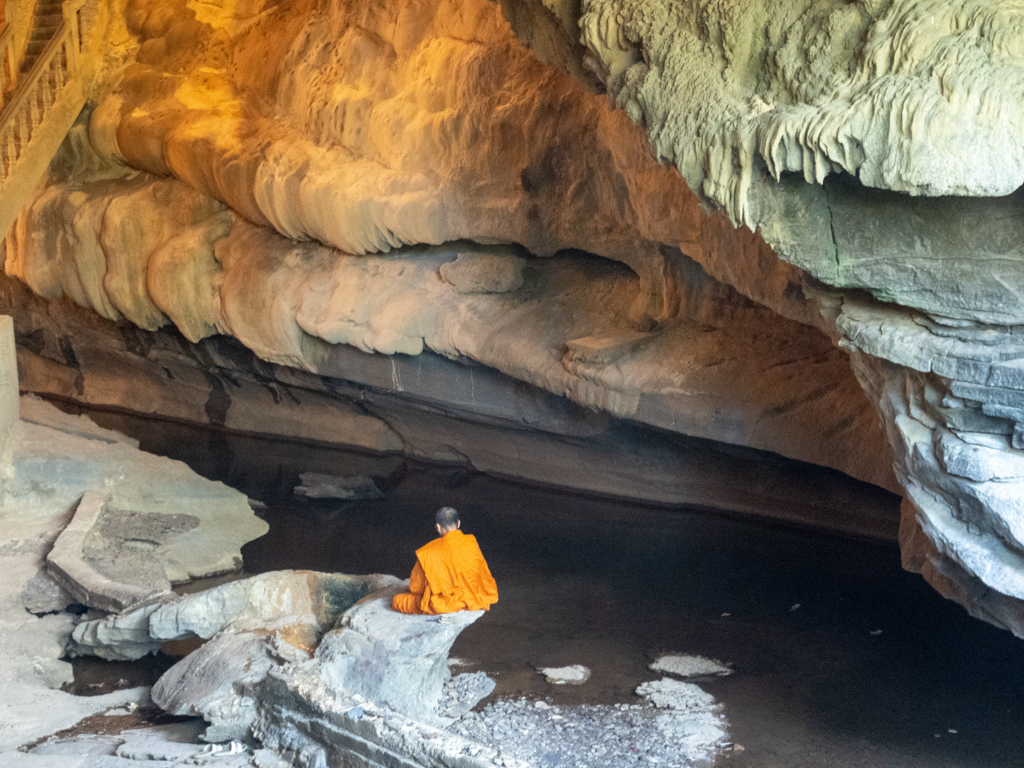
44,595
99,570
780,386
298,712
210,681
687,666
674,694
314,485
462,693
484,273
574,674
979,457
666,65
394,660
277,193
52,468
310,602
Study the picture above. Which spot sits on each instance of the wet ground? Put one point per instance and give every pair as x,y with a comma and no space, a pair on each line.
841,659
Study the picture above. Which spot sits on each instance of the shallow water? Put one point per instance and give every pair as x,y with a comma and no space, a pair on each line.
841,658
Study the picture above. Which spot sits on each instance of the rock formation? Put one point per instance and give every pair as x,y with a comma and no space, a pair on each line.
52,459
780,223
288,650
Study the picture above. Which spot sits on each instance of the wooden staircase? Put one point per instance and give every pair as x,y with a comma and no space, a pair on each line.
46,20
42,95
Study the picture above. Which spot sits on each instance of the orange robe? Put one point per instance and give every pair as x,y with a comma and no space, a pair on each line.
450,575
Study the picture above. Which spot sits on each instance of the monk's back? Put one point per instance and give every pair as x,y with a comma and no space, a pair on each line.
457,574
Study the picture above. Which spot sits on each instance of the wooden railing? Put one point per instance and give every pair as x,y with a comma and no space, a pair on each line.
9,64
40,89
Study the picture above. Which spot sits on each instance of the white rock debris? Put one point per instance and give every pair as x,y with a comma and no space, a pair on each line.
575,674
688,666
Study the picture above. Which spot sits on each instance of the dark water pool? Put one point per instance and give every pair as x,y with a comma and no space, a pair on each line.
841,658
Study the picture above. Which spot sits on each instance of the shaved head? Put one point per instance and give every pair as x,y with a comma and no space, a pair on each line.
447,518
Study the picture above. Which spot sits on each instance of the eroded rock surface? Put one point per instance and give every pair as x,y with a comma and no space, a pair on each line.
315,665
49,462
387,657
302,604
867,147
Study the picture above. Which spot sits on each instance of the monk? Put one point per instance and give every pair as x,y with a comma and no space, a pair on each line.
450,573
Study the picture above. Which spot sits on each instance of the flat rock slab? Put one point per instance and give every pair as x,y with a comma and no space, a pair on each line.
51,468
48,470
688,666
95,565
313,485
35,410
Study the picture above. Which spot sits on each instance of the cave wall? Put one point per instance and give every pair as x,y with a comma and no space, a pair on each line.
784,226
424,406
737,373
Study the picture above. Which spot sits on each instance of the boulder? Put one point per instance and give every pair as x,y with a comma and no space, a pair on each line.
213,681
44,595
279,598
392,659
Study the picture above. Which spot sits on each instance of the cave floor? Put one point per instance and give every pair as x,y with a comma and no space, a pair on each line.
840,658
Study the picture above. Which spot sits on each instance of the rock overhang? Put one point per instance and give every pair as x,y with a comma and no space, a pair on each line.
445,127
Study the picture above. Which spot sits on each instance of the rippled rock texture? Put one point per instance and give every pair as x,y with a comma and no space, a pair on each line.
764,193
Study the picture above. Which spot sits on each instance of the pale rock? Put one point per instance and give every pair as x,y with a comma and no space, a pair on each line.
833,101
317,725
44,595
574,674
1007,374
85,744
691,717
314,485
177,742
687,666
105,572
300,599
122,637
35,410
51,469
484,272
210,681
392,659
667,693
463,692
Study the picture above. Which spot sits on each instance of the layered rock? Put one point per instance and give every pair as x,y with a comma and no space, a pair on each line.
317,666
306,141
51,459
